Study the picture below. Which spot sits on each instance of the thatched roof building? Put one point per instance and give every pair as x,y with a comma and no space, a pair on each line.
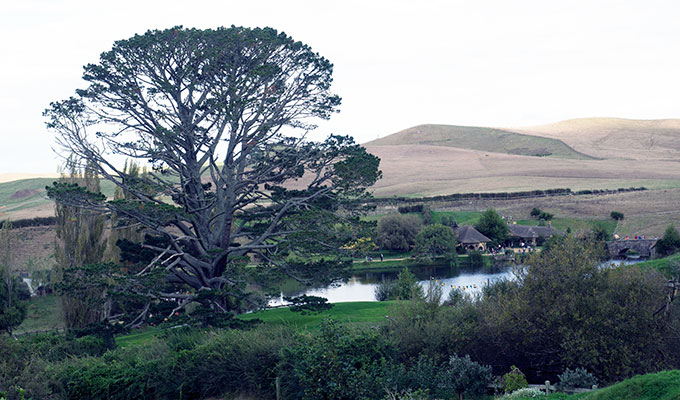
471,238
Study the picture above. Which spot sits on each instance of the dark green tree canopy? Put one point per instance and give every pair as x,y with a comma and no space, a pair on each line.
493,226
669,243
435,240
222,116
398,232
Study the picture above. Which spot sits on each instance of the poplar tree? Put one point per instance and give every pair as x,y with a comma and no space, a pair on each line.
12,310
79,242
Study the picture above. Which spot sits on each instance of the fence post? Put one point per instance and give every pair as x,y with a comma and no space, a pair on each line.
278,388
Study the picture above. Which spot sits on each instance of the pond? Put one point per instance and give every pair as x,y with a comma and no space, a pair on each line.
361,285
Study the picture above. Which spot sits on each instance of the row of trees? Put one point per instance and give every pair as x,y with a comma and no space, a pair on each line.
13,292
406,232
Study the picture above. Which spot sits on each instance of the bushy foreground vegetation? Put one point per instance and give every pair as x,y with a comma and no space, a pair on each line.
563,312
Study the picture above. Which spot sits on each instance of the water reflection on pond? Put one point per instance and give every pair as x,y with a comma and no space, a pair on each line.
361,286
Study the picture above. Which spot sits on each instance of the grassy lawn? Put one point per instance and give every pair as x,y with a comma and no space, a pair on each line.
662,264
356,313
137,337
360,312
461,217
664,385
44,313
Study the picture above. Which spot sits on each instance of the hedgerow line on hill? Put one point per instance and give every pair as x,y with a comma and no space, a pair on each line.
499,195
30,222
48,221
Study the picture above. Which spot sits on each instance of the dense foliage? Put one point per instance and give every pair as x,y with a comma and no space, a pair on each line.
669,243
574,313
398,232
616,215
493,226
12,290
562,312
435,240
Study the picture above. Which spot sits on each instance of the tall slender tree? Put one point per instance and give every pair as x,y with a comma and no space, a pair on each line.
12,310
80,241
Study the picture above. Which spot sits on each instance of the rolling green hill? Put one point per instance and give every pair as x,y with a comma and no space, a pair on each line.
484,139
26,198
664,385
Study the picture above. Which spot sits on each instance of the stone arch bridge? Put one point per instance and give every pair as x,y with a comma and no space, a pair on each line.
644,247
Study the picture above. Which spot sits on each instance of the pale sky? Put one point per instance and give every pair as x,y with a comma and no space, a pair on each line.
397,63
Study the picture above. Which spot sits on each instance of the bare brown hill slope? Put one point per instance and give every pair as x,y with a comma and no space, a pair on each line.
480,138
422,170
615,137
590,153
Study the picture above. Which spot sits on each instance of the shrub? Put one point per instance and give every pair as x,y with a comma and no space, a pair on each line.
421,328
309,304
465,376
398,232
428,216
383,291
405,287
669,243
339,363
535,212
514,380
186,363
578,378
416,208
545,216
476,259
455,298
616,215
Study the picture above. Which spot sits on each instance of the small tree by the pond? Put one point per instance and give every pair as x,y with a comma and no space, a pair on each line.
493,226
398,232
405,287
435,240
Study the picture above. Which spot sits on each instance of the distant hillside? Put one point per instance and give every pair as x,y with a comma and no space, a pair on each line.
484,139
615,137
26,198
